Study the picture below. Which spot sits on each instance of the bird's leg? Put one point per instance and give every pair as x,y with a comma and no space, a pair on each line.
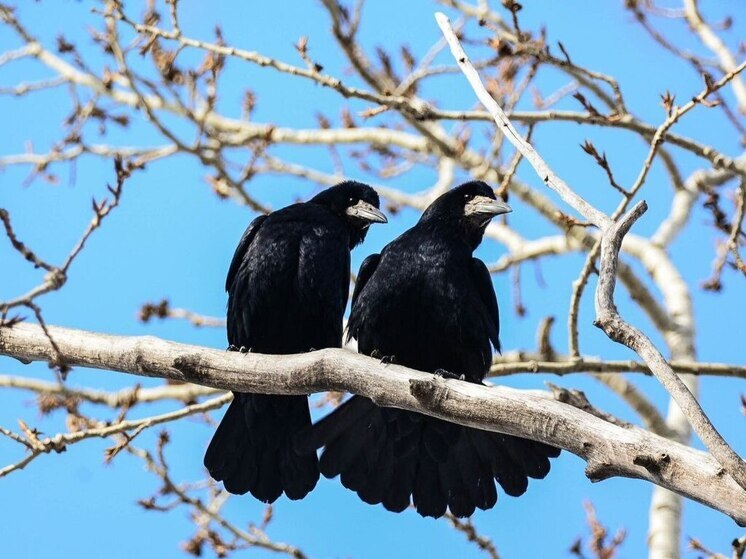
244,349
448,374
231,347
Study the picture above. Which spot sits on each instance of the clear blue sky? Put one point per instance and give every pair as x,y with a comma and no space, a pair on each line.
172,237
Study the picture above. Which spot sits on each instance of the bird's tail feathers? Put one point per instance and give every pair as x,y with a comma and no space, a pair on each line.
395,458
252,449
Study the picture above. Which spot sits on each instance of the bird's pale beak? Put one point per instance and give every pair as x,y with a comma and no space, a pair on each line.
366,212
485,206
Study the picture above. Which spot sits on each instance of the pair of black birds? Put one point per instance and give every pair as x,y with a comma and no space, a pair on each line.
425,301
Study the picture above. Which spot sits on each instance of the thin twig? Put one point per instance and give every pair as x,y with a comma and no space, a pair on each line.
59,442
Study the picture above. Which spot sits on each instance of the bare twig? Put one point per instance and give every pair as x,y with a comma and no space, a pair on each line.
716,45
466,527
253,538
186,393
543,170
59,442
163,309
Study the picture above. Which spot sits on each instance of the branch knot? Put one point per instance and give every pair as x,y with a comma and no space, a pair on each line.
430,393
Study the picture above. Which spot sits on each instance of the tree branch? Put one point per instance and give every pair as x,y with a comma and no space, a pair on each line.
717,46
521,362
618,329
529,153
613,232
59,442
609,449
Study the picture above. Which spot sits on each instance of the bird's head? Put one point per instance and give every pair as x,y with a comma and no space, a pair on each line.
470,206
356,204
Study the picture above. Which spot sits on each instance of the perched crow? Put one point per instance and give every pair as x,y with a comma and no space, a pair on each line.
426,303
287,290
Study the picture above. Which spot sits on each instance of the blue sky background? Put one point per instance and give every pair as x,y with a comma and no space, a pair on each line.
173,237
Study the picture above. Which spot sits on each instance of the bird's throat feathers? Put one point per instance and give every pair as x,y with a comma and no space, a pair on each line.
467,230
357,234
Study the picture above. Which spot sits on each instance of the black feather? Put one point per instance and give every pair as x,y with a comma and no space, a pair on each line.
429,303
287,286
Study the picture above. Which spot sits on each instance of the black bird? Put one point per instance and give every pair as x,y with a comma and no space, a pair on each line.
428,304
287,289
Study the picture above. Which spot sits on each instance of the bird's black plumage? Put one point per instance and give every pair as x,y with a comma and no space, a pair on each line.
287,290
429,304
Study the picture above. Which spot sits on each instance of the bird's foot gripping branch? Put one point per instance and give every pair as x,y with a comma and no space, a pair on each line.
609,448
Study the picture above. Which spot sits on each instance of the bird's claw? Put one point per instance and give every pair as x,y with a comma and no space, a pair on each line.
384,359
449,375
231,347
244,349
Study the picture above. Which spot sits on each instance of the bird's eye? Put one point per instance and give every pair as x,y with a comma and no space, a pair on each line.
352,199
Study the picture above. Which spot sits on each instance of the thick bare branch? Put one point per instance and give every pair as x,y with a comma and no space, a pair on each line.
609,449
